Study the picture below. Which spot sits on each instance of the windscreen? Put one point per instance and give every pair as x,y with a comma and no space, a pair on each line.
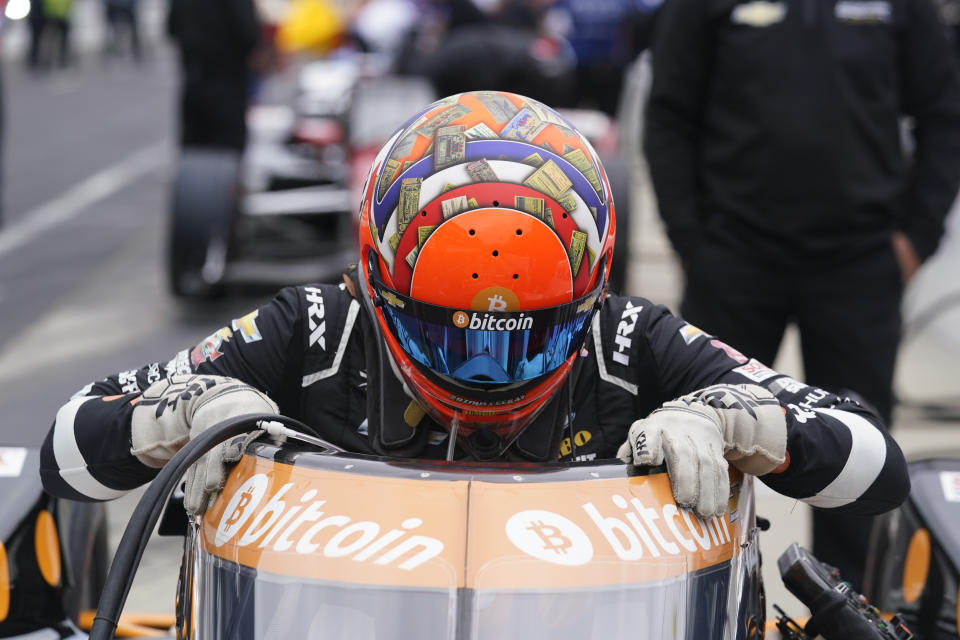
240,603
296,551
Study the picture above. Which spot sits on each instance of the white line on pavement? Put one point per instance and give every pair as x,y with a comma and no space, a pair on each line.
80,196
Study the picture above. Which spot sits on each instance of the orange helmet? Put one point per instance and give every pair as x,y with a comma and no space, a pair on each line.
486,234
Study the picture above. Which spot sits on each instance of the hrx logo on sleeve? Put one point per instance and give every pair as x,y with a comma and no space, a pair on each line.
315,319
623,337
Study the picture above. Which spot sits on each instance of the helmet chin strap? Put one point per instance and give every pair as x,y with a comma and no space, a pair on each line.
452,445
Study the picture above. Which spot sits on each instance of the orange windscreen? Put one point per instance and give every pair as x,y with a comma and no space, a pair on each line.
327,525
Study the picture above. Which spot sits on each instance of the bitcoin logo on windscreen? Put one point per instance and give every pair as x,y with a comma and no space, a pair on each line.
550,537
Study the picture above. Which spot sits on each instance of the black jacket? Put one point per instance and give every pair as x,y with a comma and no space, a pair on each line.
216,32
774,125
307,350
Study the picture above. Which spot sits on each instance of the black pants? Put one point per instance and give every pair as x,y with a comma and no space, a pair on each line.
848,314
120,19
38,23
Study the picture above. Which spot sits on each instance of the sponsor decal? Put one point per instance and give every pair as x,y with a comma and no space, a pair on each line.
640,444
11,461
347,526
637,529
128,381
549,537
586,304
487,403
756,371
812,399
436,437
690,333
585,457
733,502
392,299
863,12
800,414
306,525
758,13
178,364
315,319
580,439
950,481
209,348
624,336
634,528
247,326
496,299
787,384
732,353
240,508
487,322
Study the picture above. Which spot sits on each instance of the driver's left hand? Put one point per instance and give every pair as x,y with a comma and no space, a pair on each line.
697,434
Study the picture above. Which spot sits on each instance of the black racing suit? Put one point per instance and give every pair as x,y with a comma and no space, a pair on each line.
305,349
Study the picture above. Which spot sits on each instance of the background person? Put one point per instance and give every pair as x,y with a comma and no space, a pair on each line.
774,144
56,28
215,39
122,22
606,36
37,19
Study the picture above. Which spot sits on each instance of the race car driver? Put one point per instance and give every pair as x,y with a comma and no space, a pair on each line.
476,326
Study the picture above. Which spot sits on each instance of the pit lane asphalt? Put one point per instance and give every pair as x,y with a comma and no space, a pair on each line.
83,294
88,156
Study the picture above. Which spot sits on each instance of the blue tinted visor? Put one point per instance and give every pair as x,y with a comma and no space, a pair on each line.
487,347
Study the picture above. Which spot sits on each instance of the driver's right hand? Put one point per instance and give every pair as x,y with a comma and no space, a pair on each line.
172,411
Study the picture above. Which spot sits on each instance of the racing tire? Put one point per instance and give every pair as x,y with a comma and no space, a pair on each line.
204,208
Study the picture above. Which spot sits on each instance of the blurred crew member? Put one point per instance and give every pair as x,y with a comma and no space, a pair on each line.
57,23
122,18
215,38
606,36
38,22
774,143
475,327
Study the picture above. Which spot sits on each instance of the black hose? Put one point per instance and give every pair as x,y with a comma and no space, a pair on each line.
148,510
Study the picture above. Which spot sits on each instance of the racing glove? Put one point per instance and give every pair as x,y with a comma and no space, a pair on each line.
175,409
697,434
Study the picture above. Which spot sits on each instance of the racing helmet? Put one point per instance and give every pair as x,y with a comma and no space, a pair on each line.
486,234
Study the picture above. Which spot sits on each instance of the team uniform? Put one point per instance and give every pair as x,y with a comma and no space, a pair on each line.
775,148
775,145
309,350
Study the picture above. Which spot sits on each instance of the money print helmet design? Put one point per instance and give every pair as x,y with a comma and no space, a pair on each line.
486,235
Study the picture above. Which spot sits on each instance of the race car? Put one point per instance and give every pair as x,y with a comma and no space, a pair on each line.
308,541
